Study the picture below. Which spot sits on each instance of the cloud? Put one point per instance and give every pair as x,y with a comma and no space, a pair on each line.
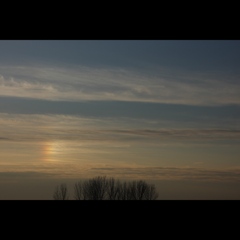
126,172
24,174
171,173
37,127
111,84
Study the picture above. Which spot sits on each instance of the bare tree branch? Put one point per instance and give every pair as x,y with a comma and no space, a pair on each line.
78,191
61,192
151,193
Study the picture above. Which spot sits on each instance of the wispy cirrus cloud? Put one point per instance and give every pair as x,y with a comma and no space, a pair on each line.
36,127
85,83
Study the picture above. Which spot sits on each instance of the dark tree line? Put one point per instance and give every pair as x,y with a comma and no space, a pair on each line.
103,188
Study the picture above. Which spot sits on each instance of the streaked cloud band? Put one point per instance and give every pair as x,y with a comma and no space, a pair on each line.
85,83
147,173
22,127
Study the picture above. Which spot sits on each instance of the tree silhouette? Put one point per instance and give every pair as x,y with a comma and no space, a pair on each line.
61,192
78,191
151,193
113,189
103,188
95,189
137,190
124,191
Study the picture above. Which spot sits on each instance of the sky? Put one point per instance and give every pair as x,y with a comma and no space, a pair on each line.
165,111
